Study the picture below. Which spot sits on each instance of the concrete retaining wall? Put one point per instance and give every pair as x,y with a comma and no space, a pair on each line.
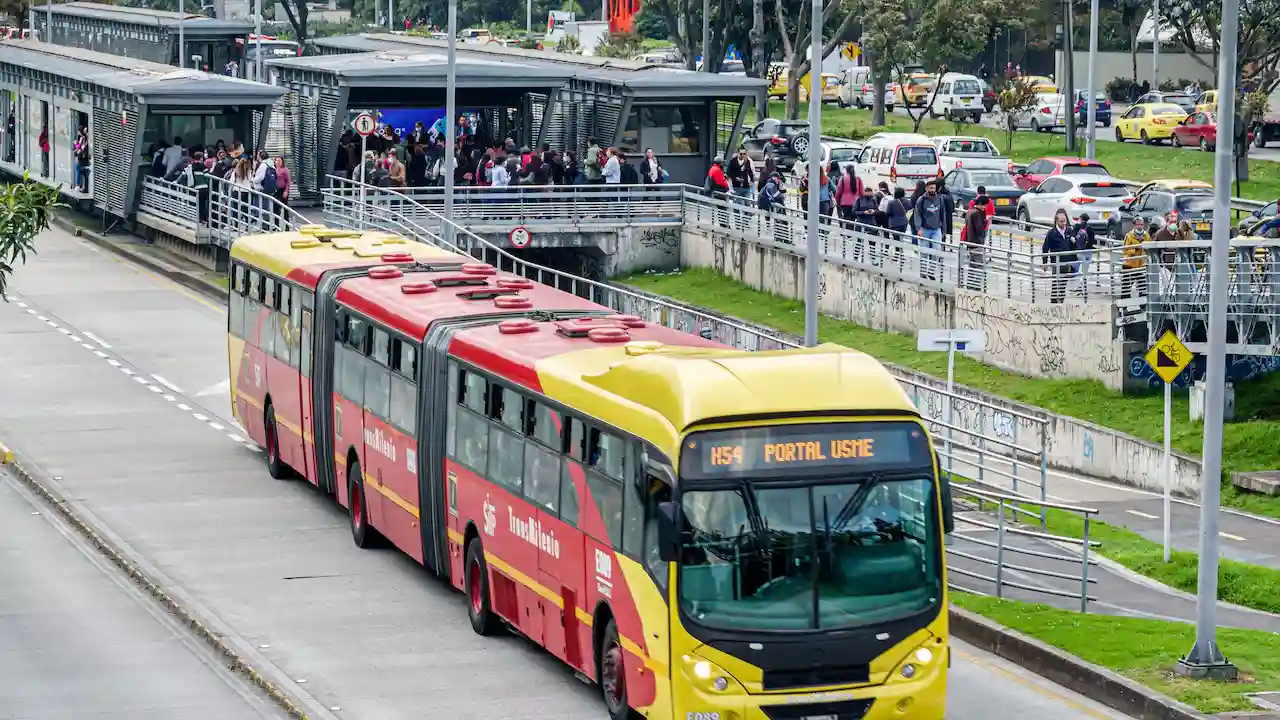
1070,444
1070,340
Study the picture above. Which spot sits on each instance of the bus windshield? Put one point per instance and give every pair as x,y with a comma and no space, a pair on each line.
809,527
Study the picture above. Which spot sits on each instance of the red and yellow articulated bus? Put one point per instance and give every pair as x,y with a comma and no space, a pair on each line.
707,533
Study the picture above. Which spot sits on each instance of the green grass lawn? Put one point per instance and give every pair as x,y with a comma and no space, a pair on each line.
1144,650
1130,161
1239,583
1253,444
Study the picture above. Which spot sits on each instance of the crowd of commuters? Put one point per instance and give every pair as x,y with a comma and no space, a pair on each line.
252,178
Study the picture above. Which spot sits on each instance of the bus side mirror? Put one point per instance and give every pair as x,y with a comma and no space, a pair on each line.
668,531
948,507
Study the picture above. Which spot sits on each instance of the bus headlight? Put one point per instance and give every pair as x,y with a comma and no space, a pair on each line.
709,676
917,662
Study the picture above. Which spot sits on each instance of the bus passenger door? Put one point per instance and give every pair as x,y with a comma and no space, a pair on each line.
304,303
550,485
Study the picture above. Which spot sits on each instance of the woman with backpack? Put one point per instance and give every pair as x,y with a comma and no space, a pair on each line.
847,192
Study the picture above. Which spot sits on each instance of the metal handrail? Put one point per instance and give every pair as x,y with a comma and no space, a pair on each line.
171,201
236,210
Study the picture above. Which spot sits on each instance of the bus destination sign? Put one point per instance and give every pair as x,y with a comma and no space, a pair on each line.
853,447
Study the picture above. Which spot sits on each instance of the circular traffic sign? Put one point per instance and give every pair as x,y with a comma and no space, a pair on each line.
364,124
520,237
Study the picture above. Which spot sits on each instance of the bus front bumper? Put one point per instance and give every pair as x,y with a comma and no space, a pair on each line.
923,698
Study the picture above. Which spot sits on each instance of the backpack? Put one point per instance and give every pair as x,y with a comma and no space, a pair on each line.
269,179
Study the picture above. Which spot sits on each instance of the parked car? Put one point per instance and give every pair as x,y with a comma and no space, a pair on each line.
959,97
858,88
1102,109
843,153
1040,170
915,91
783,140
1179,98
963,184
830,88
1190,201
1149,123
1251,224
988,96
1199,129
1099,195
1207,102
975,153
899,159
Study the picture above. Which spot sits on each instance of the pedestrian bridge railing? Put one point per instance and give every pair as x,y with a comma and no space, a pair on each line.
170,201
217,210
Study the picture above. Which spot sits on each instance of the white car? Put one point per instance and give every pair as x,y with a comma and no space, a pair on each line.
843,153
1047,114
858,88
1098,195
970,152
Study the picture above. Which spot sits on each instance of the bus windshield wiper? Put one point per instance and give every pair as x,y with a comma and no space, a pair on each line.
854,502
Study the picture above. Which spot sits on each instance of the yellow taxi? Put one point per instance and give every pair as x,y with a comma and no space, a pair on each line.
1207,102
778,77
1038,81
830,88
915,91
1150,122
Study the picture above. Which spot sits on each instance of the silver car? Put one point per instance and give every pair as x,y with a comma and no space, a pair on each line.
1099,196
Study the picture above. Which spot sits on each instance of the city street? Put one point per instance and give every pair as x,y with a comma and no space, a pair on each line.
115,386
78,640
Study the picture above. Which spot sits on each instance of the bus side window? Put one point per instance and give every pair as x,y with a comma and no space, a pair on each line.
543,424
607,453
284,333
569,502
252,305
235,301
451,411
633,517
607,494
377,376
657,492
575,439
353,361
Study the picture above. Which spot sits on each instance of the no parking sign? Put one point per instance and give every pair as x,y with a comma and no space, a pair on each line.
520,237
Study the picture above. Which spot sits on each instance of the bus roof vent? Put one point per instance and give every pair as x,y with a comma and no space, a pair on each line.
576,328
512,302
304,244
398,256
459,281
418,288
643,347
311,229
385,272
515,283
344,244
481,269
522,326
628,321
608,335
485,294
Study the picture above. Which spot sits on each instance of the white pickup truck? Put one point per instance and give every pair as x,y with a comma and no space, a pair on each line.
970,153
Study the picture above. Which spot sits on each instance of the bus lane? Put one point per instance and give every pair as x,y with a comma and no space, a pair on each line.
365,634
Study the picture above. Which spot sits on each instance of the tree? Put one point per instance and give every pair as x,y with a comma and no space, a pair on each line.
684,26
569,44
795,47
620,45
26,208
297,12
1197,26
1131,14
1015,99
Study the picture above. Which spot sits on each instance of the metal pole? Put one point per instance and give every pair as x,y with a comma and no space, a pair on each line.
391,15
364,142
450,92
706,35
257,61
1168,462
815,178
1084,567
1205,659
528,17
1155,45
951,388
182,35
1069,73
48,22
1091,85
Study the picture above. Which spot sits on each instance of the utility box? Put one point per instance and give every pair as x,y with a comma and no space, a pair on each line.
1198,393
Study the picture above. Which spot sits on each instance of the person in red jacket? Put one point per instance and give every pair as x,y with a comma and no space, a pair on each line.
989,203
716,181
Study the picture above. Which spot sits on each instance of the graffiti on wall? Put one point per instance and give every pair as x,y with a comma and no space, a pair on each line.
1239,369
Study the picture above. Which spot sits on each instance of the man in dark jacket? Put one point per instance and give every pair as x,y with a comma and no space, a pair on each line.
742,175
1058,253
1085,242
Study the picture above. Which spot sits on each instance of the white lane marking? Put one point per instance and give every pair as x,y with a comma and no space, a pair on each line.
221,388
105,345
22,304
167,384
170,398
100,354
1139,513
42,318
1229,536
217,426
113,363
201,418
87,346
30,311
64,331
140,380
127,371
235,438
75,338
184,407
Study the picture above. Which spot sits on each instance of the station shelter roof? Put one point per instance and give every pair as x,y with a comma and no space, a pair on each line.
152,83
642,78
425,67
192,23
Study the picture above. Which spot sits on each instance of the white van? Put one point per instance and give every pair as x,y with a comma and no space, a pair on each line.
857,88
898,159
959,97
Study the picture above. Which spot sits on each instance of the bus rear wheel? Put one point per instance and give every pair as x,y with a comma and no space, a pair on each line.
613,674
479,610
275,466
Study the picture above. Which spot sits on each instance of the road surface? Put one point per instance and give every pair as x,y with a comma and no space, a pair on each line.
77,640
115,383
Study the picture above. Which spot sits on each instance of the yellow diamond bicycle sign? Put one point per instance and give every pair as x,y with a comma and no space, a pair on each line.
1168,357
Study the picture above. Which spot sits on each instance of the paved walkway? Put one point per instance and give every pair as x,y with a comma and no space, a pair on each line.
116,383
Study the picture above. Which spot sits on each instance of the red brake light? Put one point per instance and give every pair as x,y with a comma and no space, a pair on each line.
865,88
1044,110
1082,200
959,164
777,140
893,174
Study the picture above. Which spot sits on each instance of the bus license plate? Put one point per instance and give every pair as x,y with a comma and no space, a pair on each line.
820,717
1106,216
1002,201
1202,226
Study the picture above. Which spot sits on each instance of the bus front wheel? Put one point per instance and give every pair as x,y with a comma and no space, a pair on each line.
613,674
362,533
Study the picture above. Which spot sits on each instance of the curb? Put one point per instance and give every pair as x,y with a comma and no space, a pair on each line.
1069,671
241,659
191,282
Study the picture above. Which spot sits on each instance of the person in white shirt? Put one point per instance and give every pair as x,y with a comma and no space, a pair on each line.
499,175
260,170
173,157
613,168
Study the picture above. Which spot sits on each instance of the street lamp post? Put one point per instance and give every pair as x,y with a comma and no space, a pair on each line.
706,35
815,178
1091,84
1069,76
1155,45
182,35
257,42
1205,659
450,91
